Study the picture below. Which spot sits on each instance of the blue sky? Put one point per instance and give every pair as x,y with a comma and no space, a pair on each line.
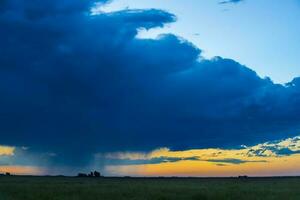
264,35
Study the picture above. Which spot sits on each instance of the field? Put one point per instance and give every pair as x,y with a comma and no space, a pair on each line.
63,188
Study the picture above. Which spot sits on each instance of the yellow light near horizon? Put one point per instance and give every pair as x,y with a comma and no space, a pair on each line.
7,151
280,166
259,160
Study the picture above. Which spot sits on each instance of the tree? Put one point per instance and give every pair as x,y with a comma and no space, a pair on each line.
97,174
91,174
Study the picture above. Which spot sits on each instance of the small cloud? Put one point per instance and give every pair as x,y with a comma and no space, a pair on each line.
7,151
221,164
24,148
51,154
234,161
230,1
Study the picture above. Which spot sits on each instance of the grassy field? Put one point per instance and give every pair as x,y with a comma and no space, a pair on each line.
62,188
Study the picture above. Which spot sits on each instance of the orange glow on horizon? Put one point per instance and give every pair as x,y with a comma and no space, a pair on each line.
22,170
283,166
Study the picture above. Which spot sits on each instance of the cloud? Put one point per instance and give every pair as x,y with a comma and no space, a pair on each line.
7,151
72,83
278,148
252,154
157,160
231,2
233,161
281,157
18,156
160,160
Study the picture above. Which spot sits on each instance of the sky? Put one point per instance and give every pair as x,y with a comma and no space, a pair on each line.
150,88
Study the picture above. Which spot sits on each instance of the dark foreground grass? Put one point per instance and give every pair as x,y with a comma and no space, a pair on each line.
62,188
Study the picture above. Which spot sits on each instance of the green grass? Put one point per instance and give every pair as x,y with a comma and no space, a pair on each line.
62,188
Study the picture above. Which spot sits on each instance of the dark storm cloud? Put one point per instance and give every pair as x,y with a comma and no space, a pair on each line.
157,160
76,84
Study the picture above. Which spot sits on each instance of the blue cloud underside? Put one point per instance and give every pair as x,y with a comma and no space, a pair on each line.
76,84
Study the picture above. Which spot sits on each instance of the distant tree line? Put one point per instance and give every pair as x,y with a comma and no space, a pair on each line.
6,174
91,174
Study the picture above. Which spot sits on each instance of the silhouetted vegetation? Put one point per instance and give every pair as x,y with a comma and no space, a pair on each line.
6,174
91,174
97,174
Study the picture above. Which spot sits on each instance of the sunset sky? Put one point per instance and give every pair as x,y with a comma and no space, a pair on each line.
150,88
